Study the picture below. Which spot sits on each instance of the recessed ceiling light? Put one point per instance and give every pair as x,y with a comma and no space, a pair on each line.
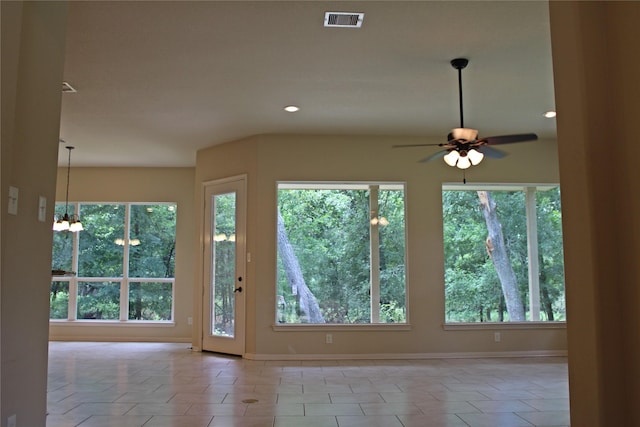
291,108
550,114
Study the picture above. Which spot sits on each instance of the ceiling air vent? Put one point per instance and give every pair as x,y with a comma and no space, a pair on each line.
67,88
343,19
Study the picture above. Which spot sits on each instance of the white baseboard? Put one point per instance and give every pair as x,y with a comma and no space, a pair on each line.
407,356
120,339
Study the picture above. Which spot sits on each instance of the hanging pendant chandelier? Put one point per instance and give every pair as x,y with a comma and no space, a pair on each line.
68,223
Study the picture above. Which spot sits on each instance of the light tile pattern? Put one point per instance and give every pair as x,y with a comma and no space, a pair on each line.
168,385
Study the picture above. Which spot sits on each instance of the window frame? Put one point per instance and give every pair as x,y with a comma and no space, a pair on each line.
529,190
124,281
348,185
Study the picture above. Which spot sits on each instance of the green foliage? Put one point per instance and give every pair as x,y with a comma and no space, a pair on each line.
62,243
330,233
99,254
223,264
551,255
99,300
154,227
472,289
59,300
150,301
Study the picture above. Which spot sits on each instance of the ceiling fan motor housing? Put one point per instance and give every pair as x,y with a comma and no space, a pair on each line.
459,63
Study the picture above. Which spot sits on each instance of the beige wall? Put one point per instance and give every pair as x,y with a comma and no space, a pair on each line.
232,159
596,69
138,185
33,37
270,158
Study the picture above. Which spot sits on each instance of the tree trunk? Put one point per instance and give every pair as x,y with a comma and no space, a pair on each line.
547,304
308,307
498,253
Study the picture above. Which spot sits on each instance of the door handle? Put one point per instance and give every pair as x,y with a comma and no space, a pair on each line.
238,289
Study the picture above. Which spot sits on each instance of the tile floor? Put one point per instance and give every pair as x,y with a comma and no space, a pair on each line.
167,385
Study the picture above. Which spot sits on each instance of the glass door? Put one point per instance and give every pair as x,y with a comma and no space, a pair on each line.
224,263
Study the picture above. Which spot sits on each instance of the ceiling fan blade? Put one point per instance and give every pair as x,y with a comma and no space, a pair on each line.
494,153
417,145
508,139
434,156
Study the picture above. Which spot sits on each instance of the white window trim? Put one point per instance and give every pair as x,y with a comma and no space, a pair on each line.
375,282
118,323
460,326
306,327
124,281
529,191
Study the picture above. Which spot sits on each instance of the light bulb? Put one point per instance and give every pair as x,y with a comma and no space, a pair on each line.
475,156
463,162
451,158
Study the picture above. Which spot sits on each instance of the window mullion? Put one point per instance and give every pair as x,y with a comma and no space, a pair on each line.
73,281
374,245
532,253
124,283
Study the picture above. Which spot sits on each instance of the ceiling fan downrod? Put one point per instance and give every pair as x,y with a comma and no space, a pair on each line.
459,64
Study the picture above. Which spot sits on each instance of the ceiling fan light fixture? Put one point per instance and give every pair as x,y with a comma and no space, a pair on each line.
462,149
475,157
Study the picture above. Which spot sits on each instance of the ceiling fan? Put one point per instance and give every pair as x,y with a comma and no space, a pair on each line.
463,148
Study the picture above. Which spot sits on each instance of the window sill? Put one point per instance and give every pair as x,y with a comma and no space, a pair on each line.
341,327
503,325
118,323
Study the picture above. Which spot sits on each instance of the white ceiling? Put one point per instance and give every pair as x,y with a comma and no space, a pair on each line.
158,80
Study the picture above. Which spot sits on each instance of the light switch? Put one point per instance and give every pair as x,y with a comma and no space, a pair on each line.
42,209
13,201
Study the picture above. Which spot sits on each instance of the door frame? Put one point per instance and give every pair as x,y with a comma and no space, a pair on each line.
241,258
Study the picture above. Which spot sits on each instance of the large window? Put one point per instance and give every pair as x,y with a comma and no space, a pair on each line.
341,253
120,267
503,253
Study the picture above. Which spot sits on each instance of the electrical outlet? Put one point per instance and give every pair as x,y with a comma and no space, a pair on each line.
497,336
189,320
328,339
12,421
